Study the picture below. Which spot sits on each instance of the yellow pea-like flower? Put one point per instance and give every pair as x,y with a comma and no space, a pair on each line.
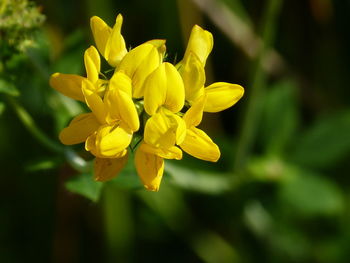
219,95
109,41
140,62
160,102
197,143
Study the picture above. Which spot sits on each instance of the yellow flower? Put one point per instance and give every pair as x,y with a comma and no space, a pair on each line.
107,130
220,95
162,93
197,143
109,41
140,62
164,97
71,85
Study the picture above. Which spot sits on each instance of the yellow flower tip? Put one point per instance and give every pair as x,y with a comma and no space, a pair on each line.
95,19
150,168
68,84
119,19
198,144
222,95
152,188
92,63
79,129
160,45
106,169
200,42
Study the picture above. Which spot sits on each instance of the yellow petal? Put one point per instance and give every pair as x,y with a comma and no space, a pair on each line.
200,43
138,64
164,129
198,144
115,46
91,146
160,45
111,140
94,101
193,116
106,168
222,95
68,84
92,64
101,32
164,87
119,103
79,129
150,169
170,153
122,82
193,75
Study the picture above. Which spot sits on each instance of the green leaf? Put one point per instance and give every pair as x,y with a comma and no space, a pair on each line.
279,117
43,164
199,181
268,168
8,88
325,143
310,194
85,185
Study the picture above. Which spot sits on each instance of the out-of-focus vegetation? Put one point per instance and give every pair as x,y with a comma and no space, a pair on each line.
280,192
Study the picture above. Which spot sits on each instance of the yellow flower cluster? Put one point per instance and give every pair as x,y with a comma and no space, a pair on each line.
161,102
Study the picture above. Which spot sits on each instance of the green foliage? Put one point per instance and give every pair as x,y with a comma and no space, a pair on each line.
326,142
199,180
309,194
2,107
288,203
8,88
280,117
84,185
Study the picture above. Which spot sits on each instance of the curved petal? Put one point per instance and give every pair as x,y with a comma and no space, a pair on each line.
92,64
193,116
198,144
112,140
164,130
79,129
222,95
138,64
122,82
115,47
68,84
160,45
200,43
119,103
106,168
101,32
150,169
170,153
91,146
193,75
164,87
94,101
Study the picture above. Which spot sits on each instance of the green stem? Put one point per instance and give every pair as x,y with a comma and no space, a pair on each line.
258,81
30,125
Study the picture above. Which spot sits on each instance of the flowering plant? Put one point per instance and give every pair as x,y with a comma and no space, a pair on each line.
148,103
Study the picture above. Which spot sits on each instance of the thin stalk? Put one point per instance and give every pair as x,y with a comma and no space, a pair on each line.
31,126
258,82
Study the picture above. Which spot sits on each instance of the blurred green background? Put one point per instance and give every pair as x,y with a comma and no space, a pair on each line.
280,192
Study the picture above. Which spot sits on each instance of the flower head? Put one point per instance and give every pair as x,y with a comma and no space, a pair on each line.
160,102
